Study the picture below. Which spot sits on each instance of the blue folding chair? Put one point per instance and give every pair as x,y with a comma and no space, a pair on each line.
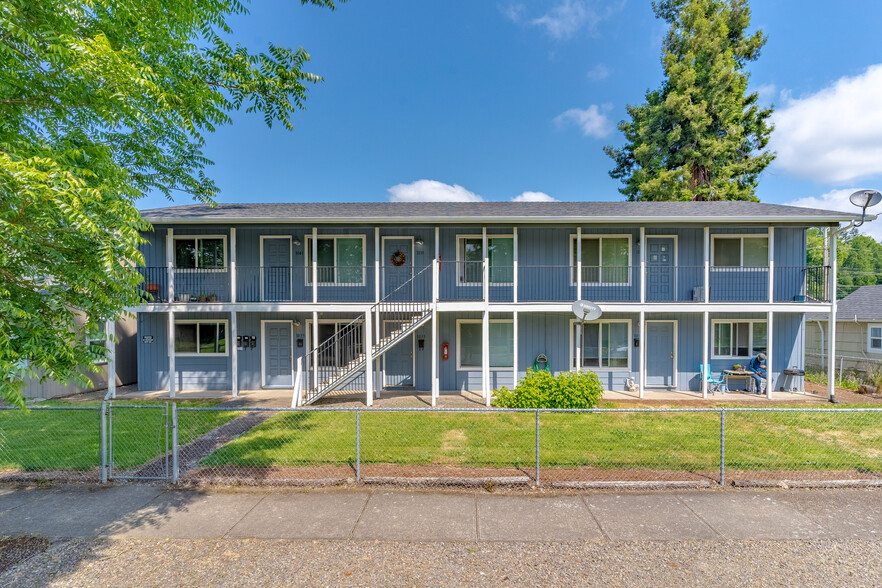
714,385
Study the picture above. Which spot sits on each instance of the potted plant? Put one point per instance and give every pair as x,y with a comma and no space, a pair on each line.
212,297
202,298
737,367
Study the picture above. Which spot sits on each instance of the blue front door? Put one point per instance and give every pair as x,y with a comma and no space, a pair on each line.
660,353
277,355
661,274
398,365
397,268
276,269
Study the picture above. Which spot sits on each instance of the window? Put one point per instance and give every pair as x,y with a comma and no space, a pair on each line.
874,339
739,339
469,347
200,252
200,337
500,255
340,260
605,344
348,342
98,338
740,251
605,259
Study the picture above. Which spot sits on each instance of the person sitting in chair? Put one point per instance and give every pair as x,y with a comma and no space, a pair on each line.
758,367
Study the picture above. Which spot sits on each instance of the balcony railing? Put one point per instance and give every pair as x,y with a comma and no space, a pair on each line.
464,281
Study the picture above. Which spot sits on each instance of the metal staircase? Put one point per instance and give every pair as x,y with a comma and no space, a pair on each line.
408,306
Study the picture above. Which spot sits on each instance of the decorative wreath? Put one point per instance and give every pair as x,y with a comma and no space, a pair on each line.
398,258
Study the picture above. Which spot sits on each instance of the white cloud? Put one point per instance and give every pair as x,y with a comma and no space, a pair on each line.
834,135
592,120
513,12
838,200
533,197
567,17
598,72
431,191
766,93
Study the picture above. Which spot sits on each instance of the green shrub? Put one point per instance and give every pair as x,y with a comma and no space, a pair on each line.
540,389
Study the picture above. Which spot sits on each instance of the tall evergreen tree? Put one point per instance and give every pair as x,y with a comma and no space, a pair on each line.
701,135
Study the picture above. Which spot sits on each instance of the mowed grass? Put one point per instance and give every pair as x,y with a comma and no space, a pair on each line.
820,439
68,436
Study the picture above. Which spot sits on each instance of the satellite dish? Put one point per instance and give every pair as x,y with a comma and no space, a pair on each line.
586,311
865,198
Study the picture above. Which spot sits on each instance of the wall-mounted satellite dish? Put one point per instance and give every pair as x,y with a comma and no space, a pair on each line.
586,311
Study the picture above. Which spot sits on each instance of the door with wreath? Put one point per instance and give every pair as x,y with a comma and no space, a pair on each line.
397,268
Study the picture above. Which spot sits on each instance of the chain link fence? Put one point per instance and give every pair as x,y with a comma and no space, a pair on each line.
176,443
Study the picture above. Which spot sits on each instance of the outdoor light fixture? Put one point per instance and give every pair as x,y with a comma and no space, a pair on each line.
296,242
864,199
418,242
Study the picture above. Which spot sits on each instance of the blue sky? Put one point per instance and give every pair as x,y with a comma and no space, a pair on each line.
492,100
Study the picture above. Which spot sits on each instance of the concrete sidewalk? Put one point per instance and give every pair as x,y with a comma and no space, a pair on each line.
385,515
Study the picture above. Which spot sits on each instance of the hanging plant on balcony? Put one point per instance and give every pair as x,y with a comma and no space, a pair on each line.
398,258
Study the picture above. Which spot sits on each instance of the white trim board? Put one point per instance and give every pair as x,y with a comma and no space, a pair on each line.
263,346
572,338
601,237
383,259
174,257
412,335
675,360
308,262
459,366
290,263
226,323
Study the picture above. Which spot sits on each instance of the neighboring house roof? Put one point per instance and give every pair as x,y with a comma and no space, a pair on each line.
471,212
864,304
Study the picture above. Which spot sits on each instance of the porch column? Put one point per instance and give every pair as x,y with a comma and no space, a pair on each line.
642,353
377,266
705,337
110,343
233,264
172,376
578,265
170,263
234,354
315,266
435,272
514,348
486,266
578,346
706,264
368,358
770,372
514,277
485,356
642,265
771,265
380,375
831,319
315,344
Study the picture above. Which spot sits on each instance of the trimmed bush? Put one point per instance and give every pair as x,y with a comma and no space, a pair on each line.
540,389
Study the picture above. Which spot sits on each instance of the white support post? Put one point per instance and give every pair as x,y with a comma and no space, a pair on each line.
436,288
705,338
315,344
771,265
379,375
315,267
826,264
368,358
642,354
435,386
770,372
514,348
485,356
514,268
233,265
110,342
486,267
170,263
706,265
642,265
831,320
234,353
438,257
578,266
377,267
172,375
578,358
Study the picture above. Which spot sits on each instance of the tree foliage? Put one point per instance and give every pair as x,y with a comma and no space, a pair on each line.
701,135
102,102
859,259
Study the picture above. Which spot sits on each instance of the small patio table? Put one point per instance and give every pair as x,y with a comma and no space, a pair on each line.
746,374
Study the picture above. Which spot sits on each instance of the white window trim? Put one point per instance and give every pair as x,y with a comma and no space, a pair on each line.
460,239
101,341
742,237
713,336
263,347
226,324
470,368
290,261
572,338
197,237
870,328
339,322
308,262
585,236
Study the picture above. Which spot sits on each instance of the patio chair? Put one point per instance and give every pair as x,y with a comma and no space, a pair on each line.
714,385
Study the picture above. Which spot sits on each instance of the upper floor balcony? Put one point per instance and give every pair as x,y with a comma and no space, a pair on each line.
474,281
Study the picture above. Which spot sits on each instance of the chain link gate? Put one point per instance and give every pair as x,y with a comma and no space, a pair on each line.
140,441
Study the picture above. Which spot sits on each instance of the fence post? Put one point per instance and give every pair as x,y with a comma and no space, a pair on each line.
537,447
103,442
175,449
357,445
723,447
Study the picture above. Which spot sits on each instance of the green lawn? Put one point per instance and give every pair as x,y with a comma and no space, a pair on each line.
816,440
70,439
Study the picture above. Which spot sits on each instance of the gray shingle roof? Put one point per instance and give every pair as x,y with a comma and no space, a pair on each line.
865,303
447,212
